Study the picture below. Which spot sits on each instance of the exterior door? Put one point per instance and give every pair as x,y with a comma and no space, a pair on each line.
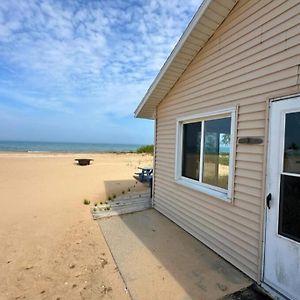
282,240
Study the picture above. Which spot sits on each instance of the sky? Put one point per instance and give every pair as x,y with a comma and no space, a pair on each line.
75,70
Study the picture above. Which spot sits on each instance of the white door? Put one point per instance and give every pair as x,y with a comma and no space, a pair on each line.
282,243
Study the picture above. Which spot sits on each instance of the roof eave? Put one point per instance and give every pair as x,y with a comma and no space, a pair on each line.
173,54
149,113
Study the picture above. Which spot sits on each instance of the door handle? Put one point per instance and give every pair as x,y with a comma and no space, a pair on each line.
268,200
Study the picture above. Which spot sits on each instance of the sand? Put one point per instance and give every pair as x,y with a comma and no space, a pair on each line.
50,247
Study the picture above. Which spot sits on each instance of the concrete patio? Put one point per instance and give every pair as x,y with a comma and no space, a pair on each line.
159,260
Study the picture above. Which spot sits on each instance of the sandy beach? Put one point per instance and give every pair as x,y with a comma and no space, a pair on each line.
50,247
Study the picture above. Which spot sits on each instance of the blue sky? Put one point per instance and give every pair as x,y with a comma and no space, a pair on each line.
76,70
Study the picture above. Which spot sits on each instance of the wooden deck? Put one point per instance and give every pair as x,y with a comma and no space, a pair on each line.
123,205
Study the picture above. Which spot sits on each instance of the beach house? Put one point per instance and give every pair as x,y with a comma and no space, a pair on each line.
226,106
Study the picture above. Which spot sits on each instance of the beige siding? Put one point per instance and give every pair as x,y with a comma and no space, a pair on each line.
253,56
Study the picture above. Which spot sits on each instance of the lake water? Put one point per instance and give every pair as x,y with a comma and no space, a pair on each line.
10,146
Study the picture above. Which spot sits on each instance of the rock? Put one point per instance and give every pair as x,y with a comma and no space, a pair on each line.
103,262
105,290
222,287
72,266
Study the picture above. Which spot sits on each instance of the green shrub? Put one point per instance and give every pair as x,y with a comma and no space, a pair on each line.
86,202
146,149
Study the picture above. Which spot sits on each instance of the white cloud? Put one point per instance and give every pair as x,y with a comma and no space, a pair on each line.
65,55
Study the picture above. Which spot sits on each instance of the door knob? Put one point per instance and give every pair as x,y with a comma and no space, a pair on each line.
268,200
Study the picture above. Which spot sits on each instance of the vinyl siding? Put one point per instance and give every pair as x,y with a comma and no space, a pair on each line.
253,56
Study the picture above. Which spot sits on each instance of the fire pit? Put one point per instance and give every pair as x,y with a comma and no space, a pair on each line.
83,161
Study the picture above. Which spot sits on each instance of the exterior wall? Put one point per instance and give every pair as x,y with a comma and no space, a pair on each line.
253,56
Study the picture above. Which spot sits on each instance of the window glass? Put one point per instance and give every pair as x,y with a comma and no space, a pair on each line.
191,150
216,152
289,207
292,143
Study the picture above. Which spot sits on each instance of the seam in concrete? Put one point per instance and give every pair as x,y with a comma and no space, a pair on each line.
123,279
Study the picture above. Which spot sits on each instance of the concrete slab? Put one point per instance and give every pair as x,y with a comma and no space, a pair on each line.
159,260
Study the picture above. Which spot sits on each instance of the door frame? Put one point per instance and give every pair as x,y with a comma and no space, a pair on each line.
270,101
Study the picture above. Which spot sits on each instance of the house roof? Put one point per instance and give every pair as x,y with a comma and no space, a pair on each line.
207,19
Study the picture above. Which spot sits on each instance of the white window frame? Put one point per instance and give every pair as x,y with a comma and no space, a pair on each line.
217,192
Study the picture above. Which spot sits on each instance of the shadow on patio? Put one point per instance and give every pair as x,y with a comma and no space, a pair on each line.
159,260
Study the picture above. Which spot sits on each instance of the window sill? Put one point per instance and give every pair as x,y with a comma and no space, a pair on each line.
203,189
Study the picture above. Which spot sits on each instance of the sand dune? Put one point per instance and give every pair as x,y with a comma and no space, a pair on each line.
50,247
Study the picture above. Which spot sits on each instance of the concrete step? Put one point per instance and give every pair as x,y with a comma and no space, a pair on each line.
122,205
133,195
121,210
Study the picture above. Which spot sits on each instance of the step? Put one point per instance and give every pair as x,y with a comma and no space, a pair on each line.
121,209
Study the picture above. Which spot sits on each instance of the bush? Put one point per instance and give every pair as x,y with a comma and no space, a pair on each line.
146,149
86,202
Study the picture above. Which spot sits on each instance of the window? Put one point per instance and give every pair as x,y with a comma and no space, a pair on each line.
191,150
205,152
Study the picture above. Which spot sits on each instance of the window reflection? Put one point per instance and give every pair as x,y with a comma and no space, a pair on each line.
289,208
191,150
292,143
216,152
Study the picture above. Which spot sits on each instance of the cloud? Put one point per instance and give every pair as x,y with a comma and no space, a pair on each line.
68,47
97,57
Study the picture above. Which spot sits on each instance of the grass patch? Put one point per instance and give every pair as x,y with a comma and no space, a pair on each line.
146,149
86,202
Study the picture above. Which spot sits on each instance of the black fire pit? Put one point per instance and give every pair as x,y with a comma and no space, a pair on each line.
83,161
